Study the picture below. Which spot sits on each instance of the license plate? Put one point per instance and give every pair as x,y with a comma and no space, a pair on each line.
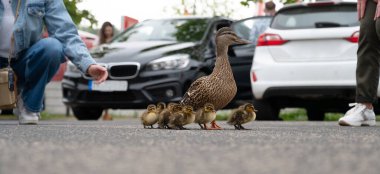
108,86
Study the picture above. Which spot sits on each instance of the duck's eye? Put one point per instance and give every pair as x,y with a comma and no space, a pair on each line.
229,33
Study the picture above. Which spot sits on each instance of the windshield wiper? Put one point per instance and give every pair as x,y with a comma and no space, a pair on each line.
328,25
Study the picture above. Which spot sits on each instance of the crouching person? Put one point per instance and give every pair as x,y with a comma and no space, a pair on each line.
35,60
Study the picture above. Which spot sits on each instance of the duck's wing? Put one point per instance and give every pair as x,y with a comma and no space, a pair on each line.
194,93
143,117
236,117
162,115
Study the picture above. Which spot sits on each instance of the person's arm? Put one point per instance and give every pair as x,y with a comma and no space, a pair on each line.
60,26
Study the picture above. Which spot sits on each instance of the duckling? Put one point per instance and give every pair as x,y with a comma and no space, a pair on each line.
175,112
181,118
218,88
160,107
205,115
150,116
163,117
242,115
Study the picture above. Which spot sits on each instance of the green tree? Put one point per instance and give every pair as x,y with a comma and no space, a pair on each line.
78,15
205,7
246,2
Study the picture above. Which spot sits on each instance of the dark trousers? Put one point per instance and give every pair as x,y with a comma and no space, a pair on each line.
368,65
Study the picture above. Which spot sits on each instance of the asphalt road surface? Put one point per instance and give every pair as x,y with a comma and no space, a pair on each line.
125,147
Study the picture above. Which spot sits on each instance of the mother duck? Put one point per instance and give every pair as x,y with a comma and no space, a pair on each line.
218,88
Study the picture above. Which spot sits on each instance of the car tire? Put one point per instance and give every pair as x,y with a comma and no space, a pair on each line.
87,113
315,114
265,110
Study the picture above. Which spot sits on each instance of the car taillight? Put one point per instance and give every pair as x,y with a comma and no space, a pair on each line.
354,37
268,39
254,78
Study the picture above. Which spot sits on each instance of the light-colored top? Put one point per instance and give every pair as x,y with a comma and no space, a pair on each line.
258,28
6,26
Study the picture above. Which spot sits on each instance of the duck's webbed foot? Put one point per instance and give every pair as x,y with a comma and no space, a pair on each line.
207,128
182,128
237,127
214,126
201,126
243,128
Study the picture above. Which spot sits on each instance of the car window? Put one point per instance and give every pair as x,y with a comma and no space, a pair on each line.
316,17
250,29
181,30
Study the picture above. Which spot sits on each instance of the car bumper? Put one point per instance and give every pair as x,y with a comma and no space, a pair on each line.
305,75
164,87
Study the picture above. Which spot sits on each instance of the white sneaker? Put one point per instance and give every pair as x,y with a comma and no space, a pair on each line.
25,116
359,115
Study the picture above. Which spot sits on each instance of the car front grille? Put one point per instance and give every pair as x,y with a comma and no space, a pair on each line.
125,70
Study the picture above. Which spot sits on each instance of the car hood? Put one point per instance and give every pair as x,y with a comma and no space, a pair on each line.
142,52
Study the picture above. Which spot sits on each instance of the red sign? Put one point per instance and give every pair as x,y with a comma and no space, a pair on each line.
127,22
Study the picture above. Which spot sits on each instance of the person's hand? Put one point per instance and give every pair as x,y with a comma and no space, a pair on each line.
98,72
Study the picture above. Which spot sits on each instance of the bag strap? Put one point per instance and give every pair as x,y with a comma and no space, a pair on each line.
11,49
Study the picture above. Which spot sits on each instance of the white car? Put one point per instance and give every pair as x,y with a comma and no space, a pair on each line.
307,58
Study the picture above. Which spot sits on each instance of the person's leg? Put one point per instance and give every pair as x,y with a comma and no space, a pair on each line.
35,68
367,72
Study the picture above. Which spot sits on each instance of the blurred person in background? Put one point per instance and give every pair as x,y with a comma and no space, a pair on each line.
368,64
106,34
262,24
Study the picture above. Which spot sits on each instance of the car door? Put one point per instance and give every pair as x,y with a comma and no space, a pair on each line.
241,56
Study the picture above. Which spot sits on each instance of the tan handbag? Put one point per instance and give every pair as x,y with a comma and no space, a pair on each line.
8,90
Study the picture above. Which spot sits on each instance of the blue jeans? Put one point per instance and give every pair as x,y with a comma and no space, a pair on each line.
34,69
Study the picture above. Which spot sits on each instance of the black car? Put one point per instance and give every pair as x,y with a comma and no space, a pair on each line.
157,60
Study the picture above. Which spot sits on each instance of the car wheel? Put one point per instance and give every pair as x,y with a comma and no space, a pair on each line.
265,110
87,113
315,114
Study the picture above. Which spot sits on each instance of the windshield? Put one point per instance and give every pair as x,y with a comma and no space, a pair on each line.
180,30
316,17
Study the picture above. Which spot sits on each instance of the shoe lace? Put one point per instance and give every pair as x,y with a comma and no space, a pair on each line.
356,107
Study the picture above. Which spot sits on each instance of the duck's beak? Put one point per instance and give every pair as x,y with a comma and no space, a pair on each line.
242,41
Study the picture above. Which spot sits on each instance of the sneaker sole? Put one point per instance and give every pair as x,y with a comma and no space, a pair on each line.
369,123
343,123
26,122
365,123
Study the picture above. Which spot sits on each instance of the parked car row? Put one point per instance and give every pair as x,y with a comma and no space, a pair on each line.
153,61
306,58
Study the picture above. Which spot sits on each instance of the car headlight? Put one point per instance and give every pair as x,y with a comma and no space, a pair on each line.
72,68
172,62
